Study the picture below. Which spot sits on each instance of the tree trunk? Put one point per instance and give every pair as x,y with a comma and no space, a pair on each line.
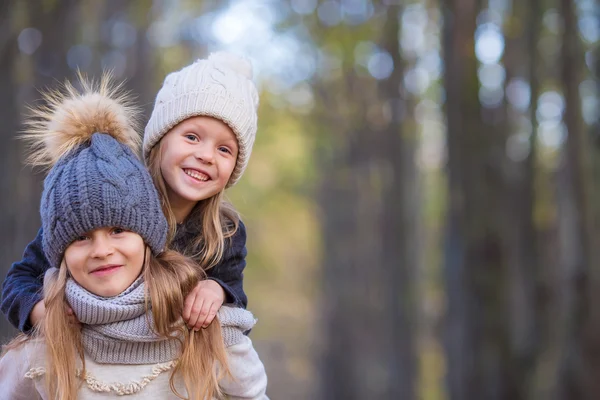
20,208
10,160
369,223
400,220
475,273
521,233
581,358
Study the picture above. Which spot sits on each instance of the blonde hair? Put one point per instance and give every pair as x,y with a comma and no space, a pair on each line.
218,220
169,278
201,350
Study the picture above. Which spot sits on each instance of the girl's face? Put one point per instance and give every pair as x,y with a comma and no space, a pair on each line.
197,159
106,261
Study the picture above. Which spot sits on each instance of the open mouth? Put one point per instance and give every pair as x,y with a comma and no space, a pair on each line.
196,175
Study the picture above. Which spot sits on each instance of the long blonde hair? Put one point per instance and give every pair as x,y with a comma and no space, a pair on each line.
201,350
169,278
218,220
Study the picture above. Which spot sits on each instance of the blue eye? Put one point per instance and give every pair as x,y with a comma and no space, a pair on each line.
224,150
116,231
191,136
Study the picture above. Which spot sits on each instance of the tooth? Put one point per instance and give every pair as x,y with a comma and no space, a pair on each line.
197,175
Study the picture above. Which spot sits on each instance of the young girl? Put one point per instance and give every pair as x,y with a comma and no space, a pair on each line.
104,236
196,144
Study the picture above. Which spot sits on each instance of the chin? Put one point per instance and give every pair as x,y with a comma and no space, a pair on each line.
109,292
195,197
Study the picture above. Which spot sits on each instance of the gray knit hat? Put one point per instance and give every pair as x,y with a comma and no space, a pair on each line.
219,87
96,179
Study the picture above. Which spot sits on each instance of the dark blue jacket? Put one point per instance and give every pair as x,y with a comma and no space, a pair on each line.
22,288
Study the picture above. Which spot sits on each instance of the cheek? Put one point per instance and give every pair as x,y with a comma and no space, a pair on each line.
138,261
135,254
165,160
75,260
167,154
231,167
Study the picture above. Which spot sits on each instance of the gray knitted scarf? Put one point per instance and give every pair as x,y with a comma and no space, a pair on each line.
117,330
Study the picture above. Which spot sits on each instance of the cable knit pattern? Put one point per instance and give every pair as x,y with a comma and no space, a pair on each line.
99,184
117,330
220,87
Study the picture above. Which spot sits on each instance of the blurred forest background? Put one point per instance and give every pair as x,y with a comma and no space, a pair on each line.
423,199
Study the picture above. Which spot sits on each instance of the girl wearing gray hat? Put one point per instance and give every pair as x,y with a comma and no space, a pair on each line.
197,143
104,236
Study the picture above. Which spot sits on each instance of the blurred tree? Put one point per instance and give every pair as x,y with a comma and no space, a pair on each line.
580,361
520,258
522,33
475,270
397,141
49,64
369,204
9,156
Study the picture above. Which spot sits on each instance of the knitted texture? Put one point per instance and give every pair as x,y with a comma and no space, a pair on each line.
234,322
118,330
99,184
219,87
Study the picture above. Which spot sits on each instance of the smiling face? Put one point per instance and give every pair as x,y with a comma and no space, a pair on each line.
106,261
197,159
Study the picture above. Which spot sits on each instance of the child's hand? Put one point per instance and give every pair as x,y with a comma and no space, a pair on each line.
37,313
202,304
71,315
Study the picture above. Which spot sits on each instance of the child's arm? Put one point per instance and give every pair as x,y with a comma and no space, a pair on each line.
229,273
224,284
15,382
248,379
22,288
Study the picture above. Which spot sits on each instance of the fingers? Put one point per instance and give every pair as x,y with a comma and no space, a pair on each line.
190,300
202,304
211,315
73,320
206,306
187,307
196,314
71,316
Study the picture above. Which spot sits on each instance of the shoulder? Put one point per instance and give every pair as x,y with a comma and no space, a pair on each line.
21,370
236,317
239,237
28,354
248,378
235,321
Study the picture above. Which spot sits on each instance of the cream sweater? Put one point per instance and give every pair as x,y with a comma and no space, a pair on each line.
22,376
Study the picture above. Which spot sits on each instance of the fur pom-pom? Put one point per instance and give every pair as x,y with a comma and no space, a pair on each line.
238,64
70,116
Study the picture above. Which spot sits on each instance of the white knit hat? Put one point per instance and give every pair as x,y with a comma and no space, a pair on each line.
219,87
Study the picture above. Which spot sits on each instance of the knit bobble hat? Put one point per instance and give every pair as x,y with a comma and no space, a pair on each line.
220,87
88,138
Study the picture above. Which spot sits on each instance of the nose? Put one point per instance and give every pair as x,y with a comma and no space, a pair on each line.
101,247
205,153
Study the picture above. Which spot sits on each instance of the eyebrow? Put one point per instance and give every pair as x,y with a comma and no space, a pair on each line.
230,141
